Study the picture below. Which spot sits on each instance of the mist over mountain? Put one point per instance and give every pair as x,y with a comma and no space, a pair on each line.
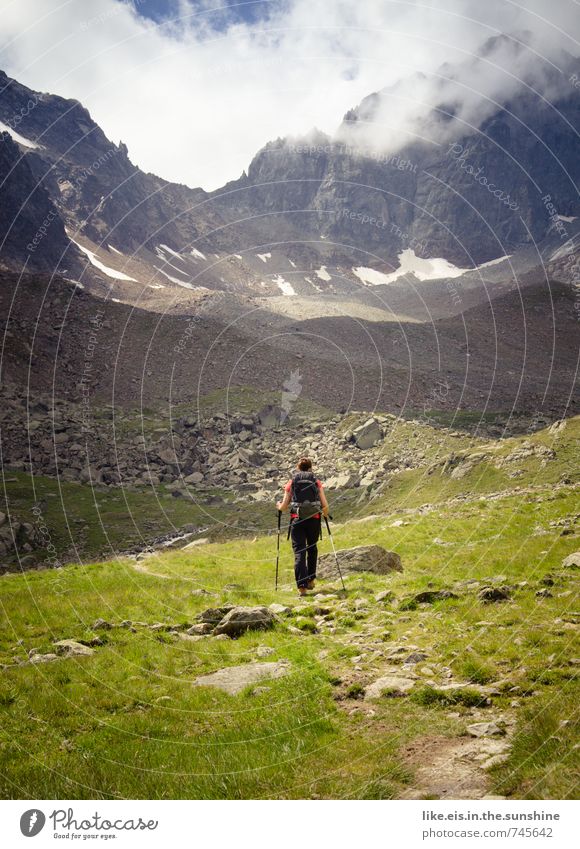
461,177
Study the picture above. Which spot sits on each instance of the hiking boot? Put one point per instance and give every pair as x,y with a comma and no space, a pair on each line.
311,584
301,591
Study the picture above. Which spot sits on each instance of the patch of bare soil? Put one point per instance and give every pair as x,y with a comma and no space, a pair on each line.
451,767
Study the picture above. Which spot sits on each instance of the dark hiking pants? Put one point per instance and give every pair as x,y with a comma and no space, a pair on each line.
305,534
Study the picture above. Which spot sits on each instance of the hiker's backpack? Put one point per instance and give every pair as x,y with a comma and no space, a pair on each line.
305,496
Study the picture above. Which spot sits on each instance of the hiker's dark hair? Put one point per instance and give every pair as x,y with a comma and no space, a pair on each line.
304,464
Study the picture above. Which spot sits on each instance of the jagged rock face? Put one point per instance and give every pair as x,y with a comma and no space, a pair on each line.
468,201
31,229
91,180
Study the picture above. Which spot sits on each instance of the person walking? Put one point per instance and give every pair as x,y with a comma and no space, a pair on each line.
304,495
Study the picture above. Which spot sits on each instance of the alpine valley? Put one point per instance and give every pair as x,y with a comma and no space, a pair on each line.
407,314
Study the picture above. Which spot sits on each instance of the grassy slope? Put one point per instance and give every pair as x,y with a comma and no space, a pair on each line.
126,721
87,523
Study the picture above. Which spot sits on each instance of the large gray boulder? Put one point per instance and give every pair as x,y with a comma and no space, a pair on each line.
254,458
395,683
71,648
233,679
168,457
362,558
242,619
368,434
572,561
194,478
214,615
490,595
344,480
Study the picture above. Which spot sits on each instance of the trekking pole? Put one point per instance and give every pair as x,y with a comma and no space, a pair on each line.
334,552
278,546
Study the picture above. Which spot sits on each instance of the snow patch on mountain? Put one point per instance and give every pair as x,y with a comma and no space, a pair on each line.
4,128
111,248
493,262
166,262
264,257
285,287
435,268
175,279
110,272
171,251
322,273
197,254
372,276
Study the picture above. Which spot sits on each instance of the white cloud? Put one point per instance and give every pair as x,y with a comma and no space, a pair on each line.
194,104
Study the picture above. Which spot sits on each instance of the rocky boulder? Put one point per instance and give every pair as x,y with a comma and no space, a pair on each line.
572,561
245,456
362,558
431,596
344,480
393,684
280,609
214,615
194,478
200,629
233,679
489,595
367,435
168,457
72,648
37,657
241,619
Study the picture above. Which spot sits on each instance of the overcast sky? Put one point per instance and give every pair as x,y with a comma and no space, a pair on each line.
196,88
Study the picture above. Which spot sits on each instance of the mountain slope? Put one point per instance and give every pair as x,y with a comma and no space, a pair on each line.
469,199
520,351
31,228
293,264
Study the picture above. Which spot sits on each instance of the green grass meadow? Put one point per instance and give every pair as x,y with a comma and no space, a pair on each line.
126,722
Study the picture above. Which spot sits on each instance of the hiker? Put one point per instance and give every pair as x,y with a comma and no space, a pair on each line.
304,494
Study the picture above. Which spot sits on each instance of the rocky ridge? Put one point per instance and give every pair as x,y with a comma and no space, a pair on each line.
247,454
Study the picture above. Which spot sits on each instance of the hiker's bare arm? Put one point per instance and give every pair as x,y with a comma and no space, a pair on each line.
323,501
284,504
